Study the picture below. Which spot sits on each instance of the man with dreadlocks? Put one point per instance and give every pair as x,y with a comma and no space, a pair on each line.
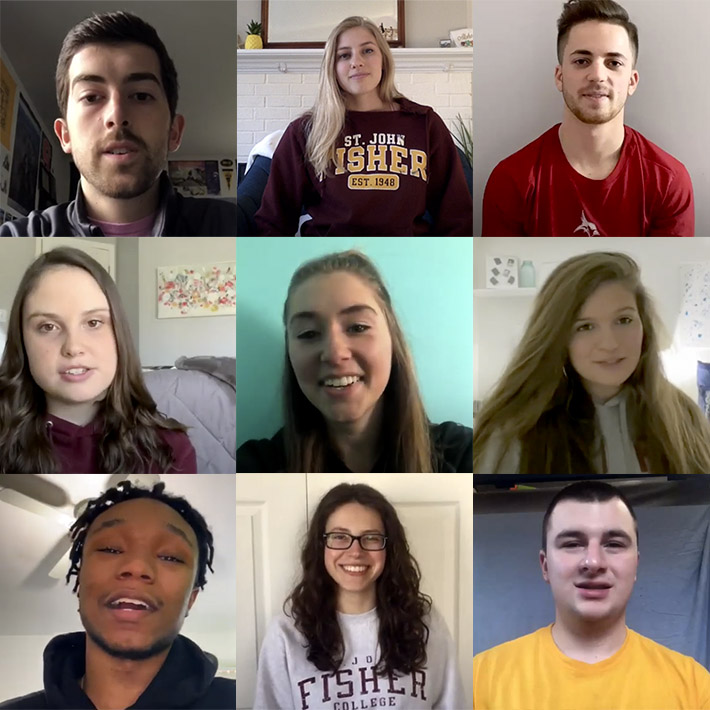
140,559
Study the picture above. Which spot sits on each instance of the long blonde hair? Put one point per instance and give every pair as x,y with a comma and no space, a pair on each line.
326,119
540,400
406,434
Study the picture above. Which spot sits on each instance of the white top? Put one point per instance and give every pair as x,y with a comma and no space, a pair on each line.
288,681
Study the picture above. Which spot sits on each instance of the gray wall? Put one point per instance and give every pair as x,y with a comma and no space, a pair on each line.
426,22
515,99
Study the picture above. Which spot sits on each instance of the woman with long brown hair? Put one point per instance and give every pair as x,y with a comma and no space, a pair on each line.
356,625
72,396
350,394
365,159
585,391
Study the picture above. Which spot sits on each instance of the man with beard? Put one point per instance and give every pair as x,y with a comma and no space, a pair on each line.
140,557
117,91
591,175
588,659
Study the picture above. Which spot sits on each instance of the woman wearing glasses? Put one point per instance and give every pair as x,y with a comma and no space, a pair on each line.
356,631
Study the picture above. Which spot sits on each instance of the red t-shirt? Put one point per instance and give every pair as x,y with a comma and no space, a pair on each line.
536,192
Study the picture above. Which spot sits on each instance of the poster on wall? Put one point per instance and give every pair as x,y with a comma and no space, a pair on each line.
25,161
694,318
46,153
197,290
7,105
194,178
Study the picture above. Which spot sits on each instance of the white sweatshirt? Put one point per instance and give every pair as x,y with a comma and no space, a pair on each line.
286,680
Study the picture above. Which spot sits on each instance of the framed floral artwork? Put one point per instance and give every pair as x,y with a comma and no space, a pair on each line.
197,290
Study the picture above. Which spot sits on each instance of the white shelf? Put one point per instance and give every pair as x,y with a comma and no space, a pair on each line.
504,292
406,59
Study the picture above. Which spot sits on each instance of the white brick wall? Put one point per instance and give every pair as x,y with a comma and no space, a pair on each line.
269,102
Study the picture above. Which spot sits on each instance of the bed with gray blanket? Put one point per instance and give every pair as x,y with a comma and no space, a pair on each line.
200,392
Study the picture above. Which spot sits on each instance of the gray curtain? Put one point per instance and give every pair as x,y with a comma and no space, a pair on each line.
670,602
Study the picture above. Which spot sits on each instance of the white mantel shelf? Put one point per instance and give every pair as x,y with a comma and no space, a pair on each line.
270,61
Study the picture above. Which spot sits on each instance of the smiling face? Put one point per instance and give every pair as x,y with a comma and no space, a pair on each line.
117,102
591,560
142,550
596,76
66,324
339,346
358,66
355,570
605,347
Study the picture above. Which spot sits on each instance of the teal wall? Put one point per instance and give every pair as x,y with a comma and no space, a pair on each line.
430,280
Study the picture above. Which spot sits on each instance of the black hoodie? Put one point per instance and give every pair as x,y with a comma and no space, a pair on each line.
186,680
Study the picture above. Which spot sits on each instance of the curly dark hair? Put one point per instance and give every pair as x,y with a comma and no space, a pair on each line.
125,491
401,607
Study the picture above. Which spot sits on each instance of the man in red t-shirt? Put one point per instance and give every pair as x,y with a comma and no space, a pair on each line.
591,175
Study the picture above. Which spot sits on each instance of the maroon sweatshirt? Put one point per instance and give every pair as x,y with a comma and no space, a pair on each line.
77,447
392,166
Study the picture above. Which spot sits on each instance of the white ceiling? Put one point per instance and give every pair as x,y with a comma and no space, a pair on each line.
201,38
33,603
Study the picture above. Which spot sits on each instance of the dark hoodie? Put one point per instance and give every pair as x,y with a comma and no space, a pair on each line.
451,443
186,680
177,216
77,447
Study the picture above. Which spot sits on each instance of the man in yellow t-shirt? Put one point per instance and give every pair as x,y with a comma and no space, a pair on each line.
588,659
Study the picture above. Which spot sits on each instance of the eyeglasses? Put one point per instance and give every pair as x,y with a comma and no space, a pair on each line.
343,541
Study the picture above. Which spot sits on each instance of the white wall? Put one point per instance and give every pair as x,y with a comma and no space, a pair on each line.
516,100
164,340
499,322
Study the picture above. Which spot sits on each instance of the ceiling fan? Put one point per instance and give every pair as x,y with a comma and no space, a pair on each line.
43,497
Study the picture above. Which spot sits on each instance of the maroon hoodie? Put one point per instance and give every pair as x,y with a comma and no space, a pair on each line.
77,447
393,166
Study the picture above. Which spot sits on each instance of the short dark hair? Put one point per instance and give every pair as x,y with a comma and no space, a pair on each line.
114,28
125,491
577,11
586,492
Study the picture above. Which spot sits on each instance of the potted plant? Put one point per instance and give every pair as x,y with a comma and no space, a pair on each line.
253,40
462,136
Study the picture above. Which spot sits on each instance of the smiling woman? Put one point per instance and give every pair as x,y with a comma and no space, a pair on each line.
357,619
72,397
585,390
350,393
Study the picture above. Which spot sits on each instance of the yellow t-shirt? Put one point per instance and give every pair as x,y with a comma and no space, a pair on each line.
531,673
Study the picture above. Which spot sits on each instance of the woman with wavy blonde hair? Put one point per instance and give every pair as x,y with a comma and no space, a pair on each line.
365,159
350,394
585,391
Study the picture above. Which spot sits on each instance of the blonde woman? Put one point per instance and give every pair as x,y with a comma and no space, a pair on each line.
585,391
365,160
351,400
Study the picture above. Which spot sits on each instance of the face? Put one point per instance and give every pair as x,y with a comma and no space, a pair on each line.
337,330
355,570
591,560
606,341
358,63
596,76
66,325
117,102
145,551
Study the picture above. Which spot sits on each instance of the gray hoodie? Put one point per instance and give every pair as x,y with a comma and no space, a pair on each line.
616,450
288,681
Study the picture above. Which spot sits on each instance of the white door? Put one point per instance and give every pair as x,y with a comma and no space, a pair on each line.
435,509
271,515
102,251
